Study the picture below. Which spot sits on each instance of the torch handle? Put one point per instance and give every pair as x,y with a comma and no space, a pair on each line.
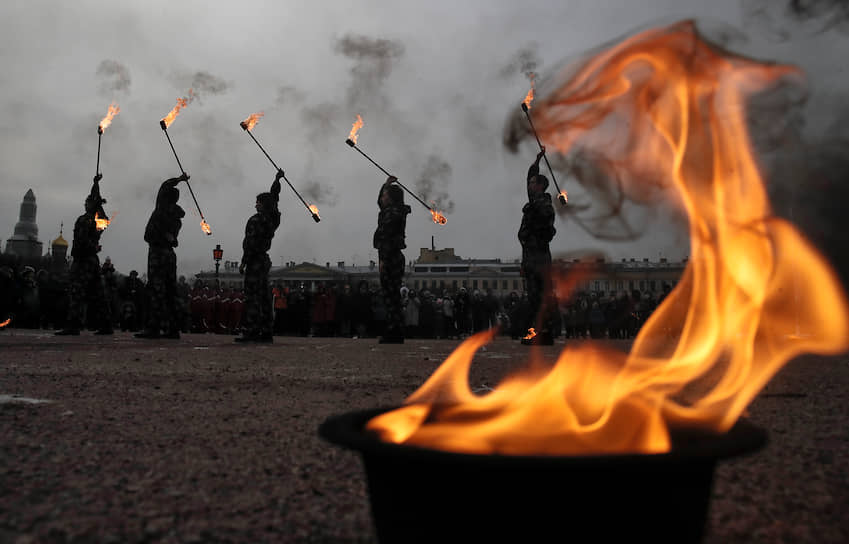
99,135
165,130
554,179
195,199
350,143
251,134
304,202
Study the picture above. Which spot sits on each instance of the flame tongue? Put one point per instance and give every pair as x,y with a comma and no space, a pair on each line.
175,111
663,101
531,333
4,323
314,210
249,123
530,96
438,218
113,111
101,223
358,124
204,226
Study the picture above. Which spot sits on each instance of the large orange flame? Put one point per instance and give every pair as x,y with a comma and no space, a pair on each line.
667,102
113,111
530,96
358,124
100,223
4,323
175,111
251,121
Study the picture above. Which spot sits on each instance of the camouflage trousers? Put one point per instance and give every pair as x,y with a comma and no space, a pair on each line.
391,273
162,289
536,269
259,316
87,287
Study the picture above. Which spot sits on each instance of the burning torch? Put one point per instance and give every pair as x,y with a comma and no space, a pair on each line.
164,123
526,106
248,125
113,111
438,218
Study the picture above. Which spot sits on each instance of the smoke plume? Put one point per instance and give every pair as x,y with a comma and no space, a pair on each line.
115,77
432,183
524,61
374,60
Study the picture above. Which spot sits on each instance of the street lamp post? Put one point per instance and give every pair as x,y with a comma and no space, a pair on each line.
217,253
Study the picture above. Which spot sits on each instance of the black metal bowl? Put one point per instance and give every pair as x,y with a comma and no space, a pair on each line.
426,495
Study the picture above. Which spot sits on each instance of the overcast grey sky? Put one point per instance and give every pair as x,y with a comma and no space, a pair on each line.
434,81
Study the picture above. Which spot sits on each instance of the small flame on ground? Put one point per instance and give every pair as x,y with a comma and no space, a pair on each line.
314,210
438,218
3,324
175,111
101,223
249,123
358,124
530,96
531,333
113,111
205,226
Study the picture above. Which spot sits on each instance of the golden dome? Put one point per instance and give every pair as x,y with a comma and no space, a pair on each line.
60,241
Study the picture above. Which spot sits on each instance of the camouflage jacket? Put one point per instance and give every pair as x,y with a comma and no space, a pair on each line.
86,237
537,228
261,227
391,226
165,222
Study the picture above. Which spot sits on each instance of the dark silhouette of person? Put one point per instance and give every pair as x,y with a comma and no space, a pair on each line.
389,241
535,233
259,232
86,275
161,233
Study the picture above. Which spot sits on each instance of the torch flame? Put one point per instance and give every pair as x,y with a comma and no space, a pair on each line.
249,123
358,124
113,111
667,102
438,218
564,195
205,226
101,223
3,324
531,333
530,96
314,210
175,111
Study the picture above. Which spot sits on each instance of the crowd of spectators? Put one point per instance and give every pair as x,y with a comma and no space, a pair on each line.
38,299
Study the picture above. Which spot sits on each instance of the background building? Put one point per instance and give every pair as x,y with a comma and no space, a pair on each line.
439,269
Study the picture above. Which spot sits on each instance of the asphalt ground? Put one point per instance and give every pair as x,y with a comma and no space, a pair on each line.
115,439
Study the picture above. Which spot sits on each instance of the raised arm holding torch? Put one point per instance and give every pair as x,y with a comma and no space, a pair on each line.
247,125
164,123
438,218
526,106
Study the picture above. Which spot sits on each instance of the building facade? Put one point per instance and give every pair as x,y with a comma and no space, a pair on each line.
437,270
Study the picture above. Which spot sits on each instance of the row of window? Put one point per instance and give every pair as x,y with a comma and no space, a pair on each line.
593,285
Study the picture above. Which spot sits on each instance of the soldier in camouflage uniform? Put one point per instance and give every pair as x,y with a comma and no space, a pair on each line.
535,233
259,231
86,276
389,241
161,236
